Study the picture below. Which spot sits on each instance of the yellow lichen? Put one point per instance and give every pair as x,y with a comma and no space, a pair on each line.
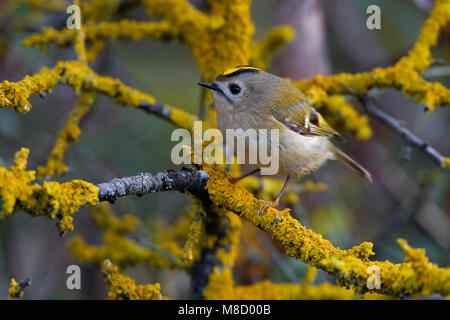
14,291
80,39
446,163
53,5
81,77
419,58
311,186
221,287
264,50
124,288
95,33
228,245
349,267
219,40
266,188
52,199
404,75
342,111
68,134
117,247
192,238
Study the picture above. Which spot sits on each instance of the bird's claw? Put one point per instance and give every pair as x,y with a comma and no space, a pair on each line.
265,205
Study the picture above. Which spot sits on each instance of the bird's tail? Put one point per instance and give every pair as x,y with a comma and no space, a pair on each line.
352,164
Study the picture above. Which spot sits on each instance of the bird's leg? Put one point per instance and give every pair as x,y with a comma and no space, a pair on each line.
277,200
274,204
237,179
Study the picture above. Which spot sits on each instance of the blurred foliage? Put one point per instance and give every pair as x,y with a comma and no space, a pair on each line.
115,142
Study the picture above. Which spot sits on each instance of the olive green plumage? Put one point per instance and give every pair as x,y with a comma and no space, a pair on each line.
246,97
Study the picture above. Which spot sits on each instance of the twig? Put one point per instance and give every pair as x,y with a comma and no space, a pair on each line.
279,259
16,288
144,242
370,105
184,180
25,283
157,109
435,72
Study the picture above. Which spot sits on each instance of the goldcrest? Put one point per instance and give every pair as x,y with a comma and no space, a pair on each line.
249,98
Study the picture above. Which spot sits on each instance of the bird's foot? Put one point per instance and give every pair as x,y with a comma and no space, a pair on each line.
266,204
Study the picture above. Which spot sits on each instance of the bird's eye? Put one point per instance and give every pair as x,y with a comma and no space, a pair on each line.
234,88
314,119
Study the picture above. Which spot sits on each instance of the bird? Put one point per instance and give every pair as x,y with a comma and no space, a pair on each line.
246,97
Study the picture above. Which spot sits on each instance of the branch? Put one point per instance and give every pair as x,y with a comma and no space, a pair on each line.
157,109
188,180
16,288
145,243
350,267
416,275
124,29
124,288
80,77
370,105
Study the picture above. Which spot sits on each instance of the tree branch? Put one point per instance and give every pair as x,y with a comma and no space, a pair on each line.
415,275
156,109
193,181
370,105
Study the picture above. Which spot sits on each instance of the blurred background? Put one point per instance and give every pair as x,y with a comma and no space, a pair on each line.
409,198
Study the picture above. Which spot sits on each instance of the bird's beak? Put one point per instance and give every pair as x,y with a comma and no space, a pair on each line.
212,86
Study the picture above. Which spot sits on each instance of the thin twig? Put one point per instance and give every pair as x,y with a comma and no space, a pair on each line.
435,72
145,243
370,105
279,259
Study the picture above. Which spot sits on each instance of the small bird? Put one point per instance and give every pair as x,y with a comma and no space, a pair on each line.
249,98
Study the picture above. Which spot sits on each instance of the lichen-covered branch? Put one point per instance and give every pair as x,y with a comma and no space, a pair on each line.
267,188
221,286
117,245
219,39
218,248
404,75
16,288
124,29
263,51
81,77
415,276
124,288
195,229
69,133
51,199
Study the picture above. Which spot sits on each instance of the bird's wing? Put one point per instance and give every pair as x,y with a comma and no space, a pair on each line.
303,119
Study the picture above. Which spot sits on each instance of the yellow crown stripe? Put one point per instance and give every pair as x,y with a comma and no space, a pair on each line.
233,70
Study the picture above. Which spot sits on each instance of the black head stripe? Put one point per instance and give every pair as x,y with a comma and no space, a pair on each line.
238,70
